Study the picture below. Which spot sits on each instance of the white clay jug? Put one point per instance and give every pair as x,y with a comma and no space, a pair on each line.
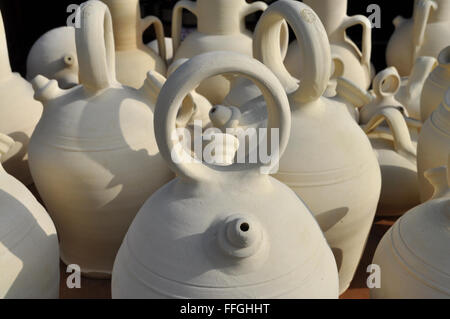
54,55
227,230
413,255
29,256
437,83
93,155
19,114
355,64
425,34
133,58
169,48
433,145
411,87
329,161
220,26
396,155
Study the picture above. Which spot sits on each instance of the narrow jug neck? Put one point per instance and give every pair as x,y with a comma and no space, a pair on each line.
330,12
220,16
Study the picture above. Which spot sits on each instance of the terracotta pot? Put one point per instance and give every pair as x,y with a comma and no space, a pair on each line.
133,58
355,64
212,232
29,258
329,161
54,55
413,255
436,85
426,34
397,158
19,114
93,155
434,145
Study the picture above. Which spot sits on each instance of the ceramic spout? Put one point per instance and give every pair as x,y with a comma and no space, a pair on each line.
241,236
45,90
5,145
224,117
351,93
438,178
5,67
152,85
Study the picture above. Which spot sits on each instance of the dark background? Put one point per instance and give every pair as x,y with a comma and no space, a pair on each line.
26,20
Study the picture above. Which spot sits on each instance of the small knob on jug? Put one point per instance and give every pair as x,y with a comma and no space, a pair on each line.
241,236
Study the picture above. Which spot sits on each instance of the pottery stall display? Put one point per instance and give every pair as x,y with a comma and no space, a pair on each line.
19,114
133,58
413,255
425,34
396,155
93,155
29,257
227,230
411,87
355,63
220,26
433,145
329,161
437,83
54,55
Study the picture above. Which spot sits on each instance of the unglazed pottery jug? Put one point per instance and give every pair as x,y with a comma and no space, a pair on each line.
220,26
414,254
133,58
93,155
169,48
397,158
434,145
329,161
29,257
54,55
355,63
426,34
411,87
437,83
19,114
385,86
228,231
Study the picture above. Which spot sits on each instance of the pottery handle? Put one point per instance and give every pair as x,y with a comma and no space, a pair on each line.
95,46
366,36
159,31
387,82
5,66
439,179
316,65
177,16
250,8
398,127
421,15
185,79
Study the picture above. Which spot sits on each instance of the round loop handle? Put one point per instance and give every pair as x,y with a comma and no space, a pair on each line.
95,46
146,23
366,48
186,78
387,82
313,42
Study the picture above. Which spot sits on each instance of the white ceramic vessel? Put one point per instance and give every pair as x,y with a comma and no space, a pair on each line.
437,83
414,254
93,155
329,161
354,63
19,114
54,55
425,34
396,155
434,145
212,232
29,257
133,58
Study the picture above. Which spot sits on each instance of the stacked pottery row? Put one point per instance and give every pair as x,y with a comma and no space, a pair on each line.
104,156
